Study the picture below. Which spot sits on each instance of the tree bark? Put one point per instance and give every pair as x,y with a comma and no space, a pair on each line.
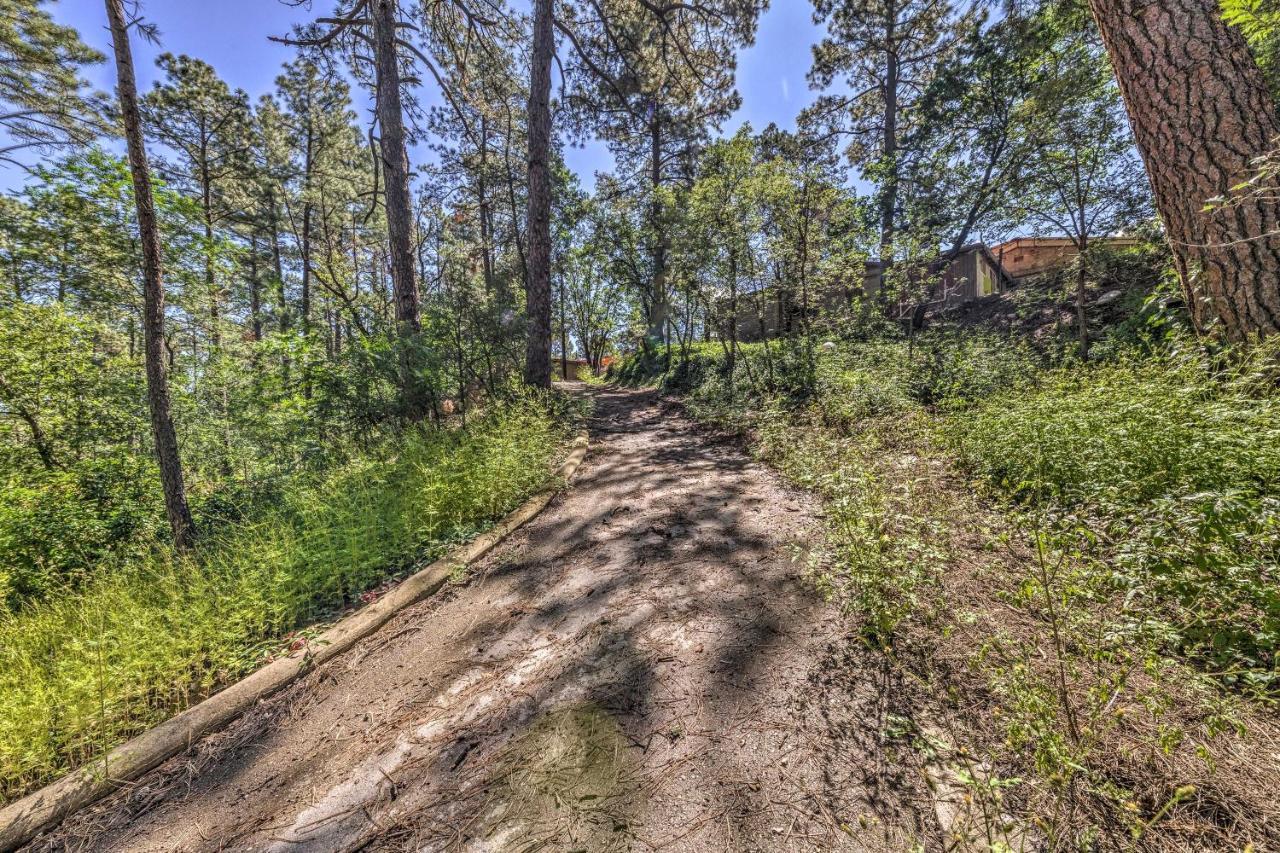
1082,279
486,226
1201,113
166,439
658,296
395,161
889,193
399,204
537,366
306,267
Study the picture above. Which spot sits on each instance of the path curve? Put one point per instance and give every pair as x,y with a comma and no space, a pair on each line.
642,667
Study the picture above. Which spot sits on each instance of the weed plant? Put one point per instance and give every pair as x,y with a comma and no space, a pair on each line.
83,671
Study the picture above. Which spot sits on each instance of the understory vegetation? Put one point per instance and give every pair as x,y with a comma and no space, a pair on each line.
85,667
1076,561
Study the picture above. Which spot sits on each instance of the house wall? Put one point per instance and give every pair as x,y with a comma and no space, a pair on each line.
577,369
969,276
1028,256
1035,258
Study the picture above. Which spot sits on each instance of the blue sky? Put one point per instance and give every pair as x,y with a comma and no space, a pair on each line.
231,35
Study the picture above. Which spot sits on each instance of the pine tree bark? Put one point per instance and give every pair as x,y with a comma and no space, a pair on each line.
1201,113
395,162
658,293
166,439
537,366
399,204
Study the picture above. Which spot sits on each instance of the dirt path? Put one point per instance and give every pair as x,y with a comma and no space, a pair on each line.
642,667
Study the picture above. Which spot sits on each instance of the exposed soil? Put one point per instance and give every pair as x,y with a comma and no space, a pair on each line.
642,667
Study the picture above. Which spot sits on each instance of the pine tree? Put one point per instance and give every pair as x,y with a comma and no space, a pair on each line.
655,81
1202,114
163,433
537,365
43,98
198,116
884,52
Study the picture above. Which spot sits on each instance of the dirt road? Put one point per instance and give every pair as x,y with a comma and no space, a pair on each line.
642,667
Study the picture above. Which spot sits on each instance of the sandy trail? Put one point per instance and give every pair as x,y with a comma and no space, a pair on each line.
643,667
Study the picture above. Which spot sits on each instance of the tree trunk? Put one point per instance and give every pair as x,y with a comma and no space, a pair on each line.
395,161
658,296
306,267
1201,112
564,336
166,439
889,193
1082,278
399,204
486,226
537,365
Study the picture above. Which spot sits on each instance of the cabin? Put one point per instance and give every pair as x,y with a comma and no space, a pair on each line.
1025,257
960,276
570,369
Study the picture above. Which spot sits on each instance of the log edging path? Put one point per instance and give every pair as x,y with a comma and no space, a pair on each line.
22,820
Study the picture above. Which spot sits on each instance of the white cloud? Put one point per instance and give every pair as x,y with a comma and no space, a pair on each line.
786,90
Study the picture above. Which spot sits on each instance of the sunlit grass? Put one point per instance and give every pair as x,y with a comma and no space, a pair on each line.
80,673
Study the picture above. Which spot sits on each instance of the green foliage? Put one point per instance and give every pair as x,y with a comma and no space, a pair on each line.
1259,20
881,547
42,94
1173,467
80,672
1164,468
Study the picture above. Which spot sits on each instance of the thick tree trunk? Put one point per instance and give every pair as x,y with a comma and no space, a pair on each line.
395,162
166,439
1201,113
399,204
537,365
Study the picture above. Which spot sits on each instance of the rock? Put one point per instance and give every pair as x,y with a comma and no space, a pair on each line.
829,346
1109,297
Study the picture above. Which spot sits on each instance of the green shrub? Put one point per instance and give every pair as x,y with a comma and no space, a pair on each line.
81,672
1124,433
1174,469
58,526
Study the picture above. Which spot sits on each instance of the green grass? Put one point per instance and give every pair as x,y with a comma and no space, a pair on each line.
81,672
1172,469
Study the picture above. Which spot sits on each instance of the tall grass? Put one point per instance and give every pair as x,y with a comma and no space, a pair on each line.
82,672
1172,468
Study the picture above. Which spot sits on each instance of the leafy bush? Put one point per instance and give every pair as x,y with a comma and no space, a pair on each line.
881,546
56,527
81,672
1124,433
1174,468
